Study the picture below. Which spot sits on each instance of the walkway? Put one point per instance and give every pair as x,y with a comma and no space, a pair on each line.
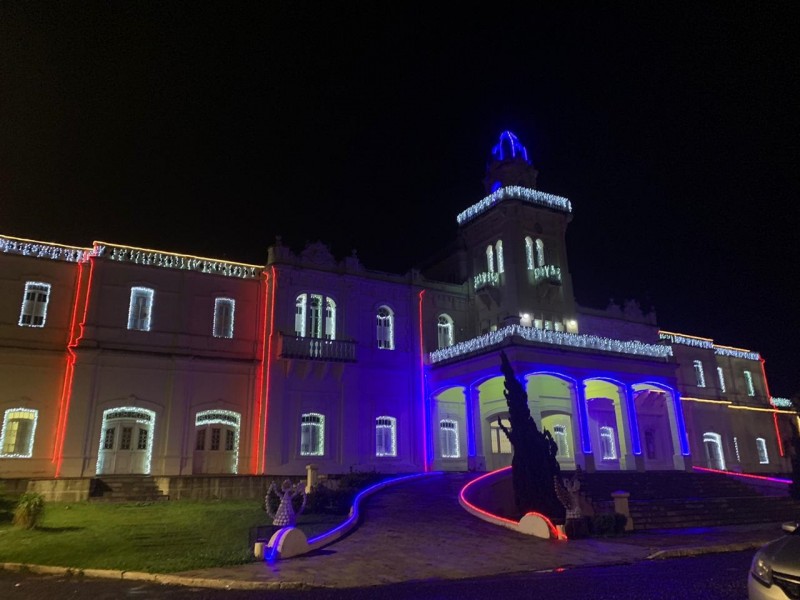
417,530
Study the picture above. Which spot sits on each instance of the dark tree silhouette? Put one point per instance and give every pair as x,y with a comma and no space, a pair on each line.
534,467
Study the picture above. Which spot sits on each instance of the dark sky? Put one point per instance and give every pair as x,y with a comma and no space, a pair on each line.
209,128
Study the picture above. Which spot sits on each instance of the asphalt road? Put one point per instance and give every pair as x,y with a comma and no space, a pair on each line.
707,577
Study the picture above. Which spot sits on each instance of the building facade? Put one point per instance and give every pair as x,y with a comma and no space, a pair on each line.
123,360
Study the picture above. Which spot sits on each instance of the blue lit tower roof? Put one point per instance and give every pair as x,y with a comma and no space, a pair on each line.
509,165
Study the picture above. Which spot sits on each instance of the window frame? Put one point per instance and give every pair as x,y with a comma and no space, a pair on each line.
385,328
34,308
310,422
137,322
699,373
763,453
317,321
223,326
445,323
382,424
22,448
448,438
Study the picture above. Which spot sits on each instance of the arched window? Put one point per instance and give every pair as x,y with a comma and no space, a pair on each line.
490,258
385,436
713,445
539,253
312,434
608,443
385,328
529,253
448,436
309,318
763,457
445,328
19,428
560,438
501,268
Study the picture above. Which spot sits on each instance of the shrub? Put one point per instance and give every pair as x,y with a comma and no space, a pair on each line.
29,511
608,524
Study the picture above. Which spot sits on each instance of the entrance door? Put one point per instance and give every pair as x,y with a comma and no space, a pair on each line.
125,443
216,443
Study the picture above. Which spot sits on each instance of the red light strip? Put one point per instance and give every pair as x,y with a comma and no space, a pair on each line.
269,362
746,475
463,495
255,459
425,465
774,415
69,371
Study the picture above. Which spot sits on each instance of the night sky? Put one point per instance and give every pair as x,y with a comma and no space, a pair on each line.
210,128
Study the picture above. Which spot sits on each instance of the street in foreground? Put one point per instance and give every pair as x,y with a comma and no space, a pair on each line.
710,577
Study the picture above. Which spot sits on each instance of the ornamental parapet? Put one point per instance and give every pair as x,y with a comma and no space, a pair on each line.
554,338
307,348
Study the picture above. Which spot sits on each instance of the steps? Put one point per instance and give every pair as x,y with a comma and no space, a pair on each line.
670,499
125,488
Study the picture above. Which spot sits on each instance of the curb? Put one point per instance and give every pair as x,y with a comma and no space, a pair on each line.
160,578
698,550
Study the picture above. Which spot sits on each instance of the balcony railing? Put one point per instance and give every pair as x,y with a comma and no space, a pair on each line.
549,273
317,349
482,280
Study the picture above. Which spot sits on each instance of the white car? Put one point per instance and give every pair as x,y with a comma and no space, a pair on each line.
775,571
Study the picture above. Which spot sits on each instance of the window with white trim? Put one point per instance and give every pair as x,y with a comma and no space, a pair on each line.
699,374
19,428
490,258
501,267
33,312
748,379
445,331
224,309
560,438
721,377
500,442
539,253
315,316
608,443
312,434
448,437
763,456
385,328
529,253
385,436
140,309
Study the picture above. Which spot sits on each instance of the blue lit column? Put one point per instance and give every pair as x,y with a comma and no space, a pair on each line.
583,426
632,423
476,459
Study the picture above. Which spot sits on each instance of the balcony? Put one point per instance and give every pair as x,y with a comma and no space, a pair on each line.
548,273
308,348
486,279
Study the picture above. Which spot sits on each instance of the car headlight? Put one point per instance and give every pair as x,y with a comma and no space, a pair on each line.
761,568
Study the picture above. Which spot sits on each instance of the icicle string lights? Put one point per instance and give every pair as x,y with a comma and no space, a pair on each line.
515,192
167,260
698,342
486,278
10,245
558,338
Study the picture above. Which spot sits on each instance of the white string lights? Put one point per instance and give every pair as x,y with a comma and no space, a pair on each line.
10,245
515,192
556,338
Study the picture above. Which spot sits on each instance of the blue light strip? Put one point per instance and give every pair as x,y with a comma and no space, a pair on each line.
583,417
684,440
354,511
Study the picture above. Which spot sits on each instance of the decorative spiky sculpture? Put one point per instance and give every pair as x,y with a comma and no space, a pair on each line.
534,467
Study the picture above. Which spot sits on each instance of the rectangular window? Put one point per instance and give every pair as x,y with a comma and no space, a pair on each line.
108,438
312,435
141,442
385,436
699,374
748,379
448,436
721,376
200,442
140,309
230,438
608,443
224,309
763,457
34,304
125,440
215,437
16,437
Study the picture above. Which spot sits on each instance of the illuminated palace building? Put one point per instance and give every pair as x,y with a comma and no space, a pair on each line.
124,360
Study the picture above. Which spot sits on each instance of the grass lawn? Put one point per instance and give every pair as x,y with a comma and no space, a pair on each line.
157,537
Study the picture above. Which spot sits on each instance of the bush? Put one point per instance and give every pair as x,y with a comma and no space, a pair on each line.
608,524
29,511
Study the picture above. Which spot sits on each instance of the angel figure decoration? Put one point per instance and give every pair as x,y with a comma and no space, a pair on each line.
285,516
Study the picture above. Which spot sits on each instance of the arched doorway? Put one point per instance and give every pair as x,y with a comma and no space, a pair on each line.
126,441
658,431
607,426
